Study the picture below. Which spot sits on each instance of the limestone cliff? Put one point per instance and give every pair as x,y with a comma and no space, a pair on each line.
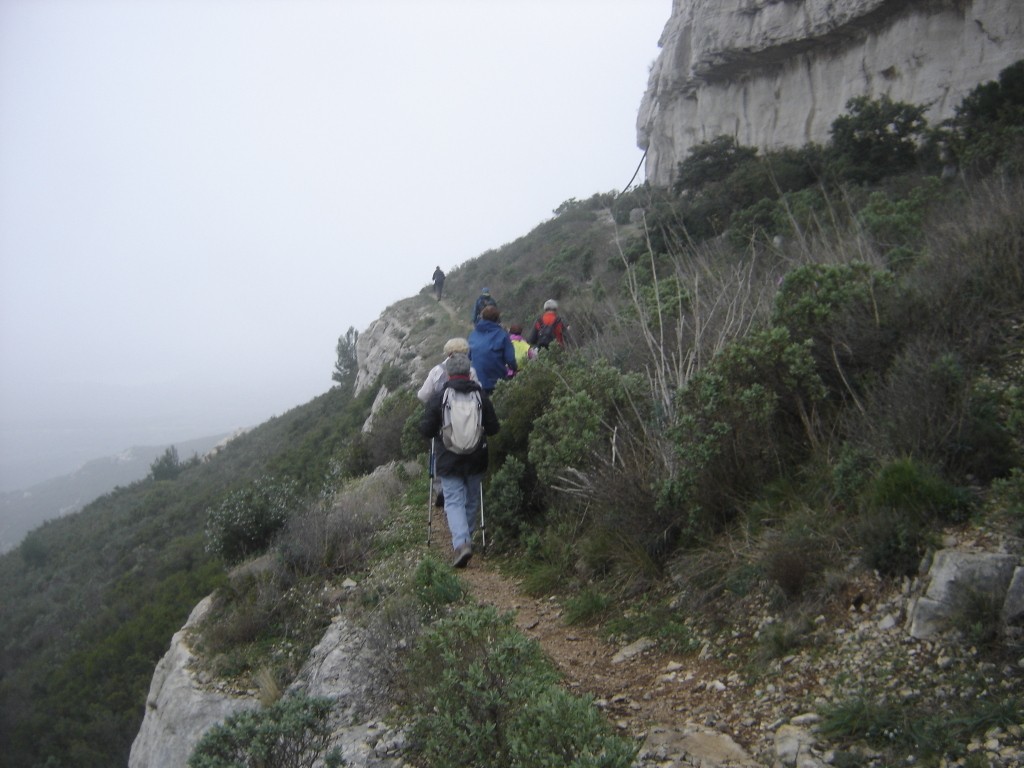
180,707
775,73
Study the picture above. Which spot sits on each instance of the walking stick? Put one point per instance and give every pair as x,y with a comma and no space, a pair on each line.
483,527
430,489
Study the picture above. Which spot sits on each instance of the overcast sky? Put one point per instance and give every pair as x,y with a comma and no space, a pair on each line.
197,197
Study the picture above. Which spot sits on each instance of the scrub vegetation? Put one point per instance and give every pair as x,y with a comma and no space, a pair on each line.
817,350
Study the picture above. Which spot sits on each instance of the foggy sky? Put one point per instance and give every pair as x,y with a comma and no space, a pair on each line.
198,197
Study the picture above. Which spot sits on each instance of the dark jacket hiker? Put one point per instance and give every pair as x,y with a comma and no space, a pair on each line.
461,473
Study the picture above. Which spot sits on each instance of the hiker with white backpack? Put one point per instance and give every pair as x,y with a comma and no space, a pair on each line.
459,419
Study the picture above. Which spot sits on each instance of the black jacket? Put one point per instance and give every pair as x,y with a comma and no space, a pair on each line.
449,463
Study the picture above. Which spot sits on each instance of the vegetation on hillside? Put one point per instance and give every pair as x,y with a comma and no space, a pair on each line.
816,349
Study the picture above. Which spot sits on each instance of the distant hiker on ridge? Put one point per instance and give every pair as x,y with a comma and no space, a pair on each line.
491,350
484,300
438,281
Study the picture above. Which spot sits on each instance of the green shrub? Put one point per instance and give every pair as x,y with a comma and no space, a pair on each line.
553,448
755,223
709,162
845,312
586,606
506,503
738,418
892,542
246,520
436,585
903,503
293,733
877,138
908,486
485,695
559,729
897,224
387,440
988,128
782,638
851,473
659,622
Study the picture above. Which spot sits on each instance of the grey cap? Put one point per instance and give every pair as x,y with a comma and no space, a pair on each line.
550,304
458,365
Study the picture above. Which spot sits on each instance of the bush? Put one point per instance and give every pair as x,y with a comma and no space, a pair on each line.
988,128
892,541
436,585
739,420
246,520
902,505
709,162
845,312
485,695
793,562
897,225
907,486
388,439
506,502
293,733
327,539
877,138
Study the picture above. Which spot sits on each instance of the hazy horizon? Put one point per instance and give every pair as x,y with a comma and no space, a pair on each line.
197,199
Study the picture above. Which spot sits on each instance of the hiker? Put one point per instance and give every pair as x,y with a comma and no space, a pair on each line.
438,375
461,473
491,350
434,383
438,281
548,328
521,346
483,300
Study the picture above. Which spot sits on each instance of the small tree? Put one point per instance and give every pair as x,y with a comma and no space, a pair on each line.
710,162
167,467
877,138
347,364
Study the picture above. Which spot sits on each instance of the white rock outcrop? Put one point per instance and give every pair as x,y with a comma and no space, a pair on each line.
955,577
774,73
179,709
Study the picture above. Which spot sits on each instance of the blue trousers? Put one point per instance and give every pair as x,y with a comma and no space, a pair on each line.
461,506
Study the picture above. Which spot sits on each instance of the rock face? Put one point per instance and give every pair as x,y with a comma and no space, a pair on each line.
957,578
774,73
399,337
179,709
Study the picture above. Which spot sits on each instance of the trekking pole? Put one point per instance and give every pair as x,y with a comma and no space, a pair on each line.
483,527
430,489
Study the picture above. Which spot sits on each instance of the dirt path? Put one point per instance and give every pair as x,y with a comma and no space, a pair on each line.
638,686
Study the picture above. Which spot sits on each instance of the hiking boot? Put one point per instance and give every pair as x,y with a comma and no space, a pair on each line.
462,555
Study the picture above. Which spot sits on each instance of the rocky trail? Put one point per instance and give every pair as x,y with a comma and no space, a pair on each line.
648,695
697,709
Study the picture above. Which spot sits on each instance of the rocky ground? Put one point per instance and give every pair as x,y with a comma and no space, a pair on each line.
721,707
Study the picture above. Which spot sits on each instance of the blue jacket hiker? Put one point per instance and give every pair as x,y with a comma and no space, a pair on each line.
491,350
461,474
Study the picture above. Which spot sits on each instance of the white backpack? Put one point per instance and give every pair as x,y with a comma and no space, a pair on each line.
462,420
